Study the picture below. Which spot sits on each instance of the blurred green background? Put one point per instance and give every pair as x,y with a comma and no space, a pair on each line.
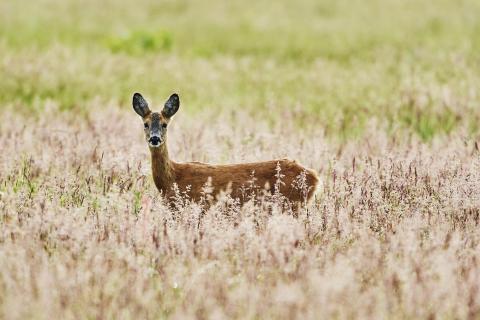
409,65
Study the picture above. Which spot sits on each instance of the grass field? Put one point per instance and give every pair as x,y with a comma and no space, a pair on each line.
381,98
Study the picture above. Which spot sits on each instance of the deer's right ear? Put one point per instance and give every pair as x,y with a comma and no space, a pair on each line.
140,105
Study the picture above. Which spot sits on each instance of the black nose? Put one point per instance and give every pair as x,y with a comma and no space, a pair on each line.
154,140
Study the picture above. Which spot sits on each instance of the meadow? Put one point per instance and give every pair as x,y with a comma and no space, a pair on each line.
381,98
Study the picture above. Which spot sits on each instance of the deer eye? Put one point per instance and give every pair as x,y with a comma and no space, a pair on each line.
164,125
145,125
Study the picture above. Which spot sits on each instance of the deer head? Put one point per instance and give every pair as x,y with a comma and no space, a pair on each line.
155,123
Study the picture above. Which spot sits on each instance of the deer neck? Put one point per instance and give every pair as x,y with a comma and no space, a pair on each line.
162,168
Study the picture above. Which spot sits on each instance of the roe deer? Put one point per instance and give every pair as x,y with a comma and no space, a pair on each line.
193,176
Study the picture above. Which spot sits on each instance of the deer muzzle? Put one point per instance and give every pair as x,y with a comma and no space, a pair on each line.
154,141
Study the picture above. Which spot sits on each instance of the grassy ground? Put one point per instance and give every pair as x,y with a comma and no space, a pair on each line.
408,63
380,97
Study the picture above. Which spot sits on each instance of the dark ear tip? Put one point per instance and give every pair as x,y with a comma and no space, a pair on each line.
174,96
137,95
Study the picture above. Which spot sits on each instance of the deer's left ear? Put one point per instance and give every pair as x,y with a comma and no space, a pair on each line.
171,106
140,105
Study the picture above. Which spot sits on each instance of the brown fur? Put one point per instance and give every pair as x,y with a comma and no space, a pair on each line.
233,178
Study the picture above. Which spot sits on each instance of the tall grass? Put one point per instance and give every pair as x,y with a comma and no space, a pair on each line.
380,97
392,233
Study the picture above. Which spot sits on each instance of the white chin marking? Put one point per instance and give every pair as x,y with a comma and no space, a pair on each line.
154,145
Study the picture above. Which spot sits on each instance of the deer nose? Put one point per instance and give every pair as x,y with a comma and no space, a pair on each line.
154,140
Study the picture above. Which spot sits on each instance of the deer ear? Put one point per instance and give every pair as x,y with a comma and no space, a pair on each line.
171,106
140,105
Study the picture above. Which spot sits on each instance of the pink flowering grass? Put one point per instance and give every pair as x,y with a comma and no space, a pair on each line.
393,231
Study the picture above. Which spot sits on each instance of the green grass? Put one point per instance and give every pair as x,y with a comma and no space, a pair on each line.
341,63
